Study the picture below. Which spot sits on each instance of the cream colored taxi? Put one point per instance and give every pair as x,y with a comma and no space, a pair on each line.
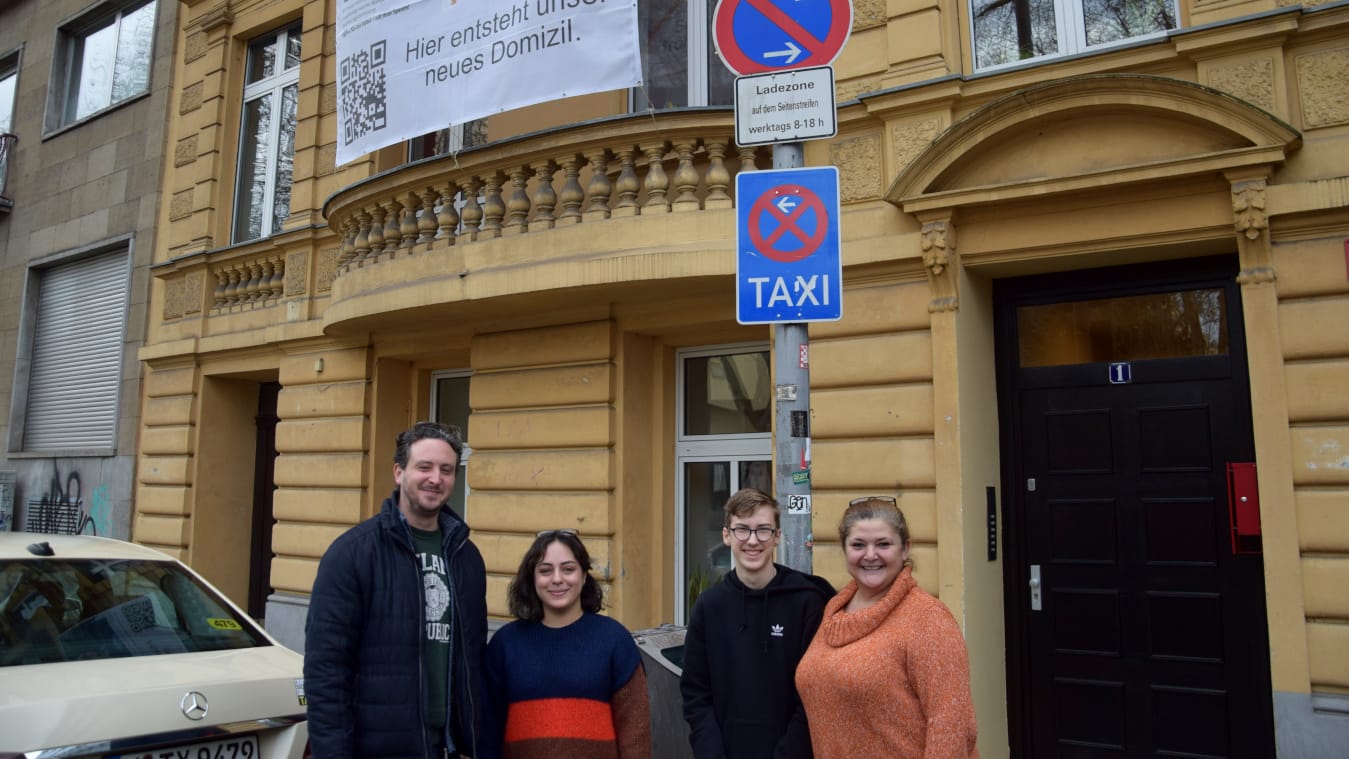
110,649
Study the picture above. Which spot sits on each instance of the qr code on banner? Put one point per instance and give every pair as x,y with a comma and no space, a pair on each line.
364,96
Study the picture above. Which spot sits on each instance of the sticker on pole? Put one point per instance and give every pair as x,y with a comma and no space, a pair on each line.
789,266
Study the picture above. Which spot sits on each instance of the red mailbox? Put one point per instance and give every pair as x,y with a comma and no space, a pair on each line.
1243,505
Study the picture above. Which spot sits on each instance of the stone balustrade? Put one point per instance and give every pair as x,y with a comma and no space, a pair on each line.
637,165
253,280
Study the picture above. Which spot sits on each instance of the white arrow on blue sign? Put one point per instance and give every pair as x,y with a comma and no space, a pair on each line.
758,36
789,264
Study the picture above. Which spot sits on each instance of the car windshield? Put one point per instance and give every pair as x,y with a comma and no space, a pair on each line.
58,610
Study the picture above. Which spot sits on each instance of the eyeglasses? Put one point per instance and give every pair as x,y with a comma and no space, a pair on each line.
764,534
569,532
884,498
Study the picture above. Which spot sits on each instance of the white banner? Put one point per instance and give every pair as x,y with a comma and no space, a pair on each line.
409,67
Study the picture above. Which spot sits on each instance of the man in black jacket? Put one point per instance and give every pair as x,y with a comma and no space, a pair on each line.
398,620
744,639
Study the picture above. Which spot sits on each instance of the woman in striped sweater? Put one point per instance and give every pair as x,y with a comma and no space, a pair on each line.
562,681
887,673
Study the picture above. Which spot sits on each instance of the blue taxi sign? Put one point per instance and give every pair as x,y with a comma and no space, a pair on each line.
789,266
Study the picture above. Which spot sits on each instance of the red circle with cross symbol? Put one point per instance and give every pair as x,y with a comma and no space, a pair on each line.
775,220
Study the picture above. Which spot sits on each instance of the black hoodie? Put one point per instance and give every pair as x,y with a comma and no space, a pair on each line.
740,656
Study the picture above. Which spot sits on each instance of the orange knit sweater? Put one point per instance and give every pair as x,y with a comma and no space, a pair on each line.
891,680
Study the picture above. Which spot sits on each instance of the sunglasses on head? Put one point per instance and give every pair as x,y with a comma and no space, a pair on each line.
884,498
569,532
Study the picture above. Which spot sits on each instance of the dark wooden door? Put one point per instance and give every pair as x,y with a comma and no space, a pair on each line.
1141,632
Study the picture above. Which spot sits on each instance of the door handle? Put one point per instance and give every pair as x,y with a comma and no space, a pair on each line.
1035,598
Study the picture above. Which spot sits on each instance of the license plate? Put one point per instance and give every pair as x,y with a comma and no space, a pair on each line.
242,747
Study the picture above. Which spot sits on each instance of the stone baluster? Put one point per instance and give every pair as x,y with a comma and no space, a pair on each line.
265,269
628,184
657,181
545,197
232,289
517,208
347,250
718,177
685,178
748,155
493,209
572,195
472,214
252,281
362,244
428,220
222,281
376,234
393,231
447,218
278,276
600,188
409,228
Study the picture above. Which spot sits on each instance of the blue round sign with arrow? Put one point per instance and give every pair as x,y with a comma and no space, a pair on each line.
760,36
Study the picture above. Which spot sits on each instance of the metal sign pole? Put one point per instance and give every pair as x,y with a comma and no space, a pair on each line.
791,416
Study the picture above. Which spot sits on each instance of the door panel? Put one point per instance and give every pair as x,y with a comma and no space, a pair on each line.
1150,639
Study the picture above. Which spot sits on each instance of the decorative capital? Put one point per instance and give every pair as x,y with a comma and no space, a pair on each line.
1251,223
938,244
1248,206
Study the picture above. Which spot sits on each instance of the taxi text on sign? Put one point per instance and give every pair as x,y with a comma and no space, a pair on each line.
758,36
788,265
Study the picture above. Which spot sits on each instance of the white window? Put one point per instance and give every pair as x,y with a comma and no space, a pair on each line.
267,135
680,66
449,405
725,411
102,58
74,331
1010,31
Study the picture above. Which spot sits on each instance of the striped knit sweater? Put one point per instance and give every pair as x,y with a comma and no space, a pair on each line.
576,692
890,680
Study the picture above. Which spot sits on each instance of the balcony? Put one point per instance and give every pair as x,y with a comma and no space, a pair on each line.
625,205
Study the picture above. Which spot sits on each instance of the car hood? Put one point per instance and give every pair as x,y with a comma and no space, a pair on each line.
47,705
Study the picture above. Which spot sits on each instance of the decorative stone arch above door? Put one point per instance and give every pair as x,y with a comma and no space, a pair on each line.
1094,133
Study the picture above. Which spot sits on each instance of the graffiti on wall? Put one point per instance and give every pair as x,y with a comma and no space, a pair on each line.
62,510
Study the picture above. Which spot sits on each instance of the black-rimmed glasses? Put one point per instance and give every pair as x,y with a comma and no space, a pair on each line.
764,534
884,498
569,532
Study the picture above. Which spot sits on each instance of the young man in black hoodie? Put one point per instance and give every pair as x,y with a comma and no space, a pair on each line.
745,637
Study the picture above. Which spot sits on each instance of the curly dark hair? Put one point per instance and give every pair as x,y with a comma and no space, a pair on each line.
524,599
424,430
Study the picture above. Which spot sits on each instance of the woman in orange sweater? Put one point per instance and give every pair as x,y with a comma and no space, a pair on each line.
887,672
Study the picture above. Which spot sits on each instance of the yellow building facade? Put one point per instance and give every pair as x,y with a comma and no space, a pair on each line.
1080,280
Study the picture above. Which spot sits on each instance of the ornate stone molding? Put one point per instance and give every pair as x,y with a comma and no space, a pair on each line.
220,14
860,163
297,273
1252,81
1252,227
1321,77
938,243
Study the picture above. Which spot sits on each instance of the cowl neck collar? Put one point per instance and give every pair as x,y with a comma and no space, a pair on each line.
840,627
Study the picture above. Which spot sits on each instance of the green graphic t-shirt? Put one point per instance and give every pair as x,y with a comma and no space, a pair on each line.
438,620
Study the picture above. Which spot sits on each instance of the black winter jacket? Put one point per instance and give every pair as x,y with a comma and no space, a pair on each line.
363,641
740,655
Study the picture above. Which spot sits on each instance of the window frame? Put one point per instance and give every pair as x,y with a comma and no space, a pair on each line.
63,88
1070,30
699,52
732,449
22,395
461,475
274,87
9,72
